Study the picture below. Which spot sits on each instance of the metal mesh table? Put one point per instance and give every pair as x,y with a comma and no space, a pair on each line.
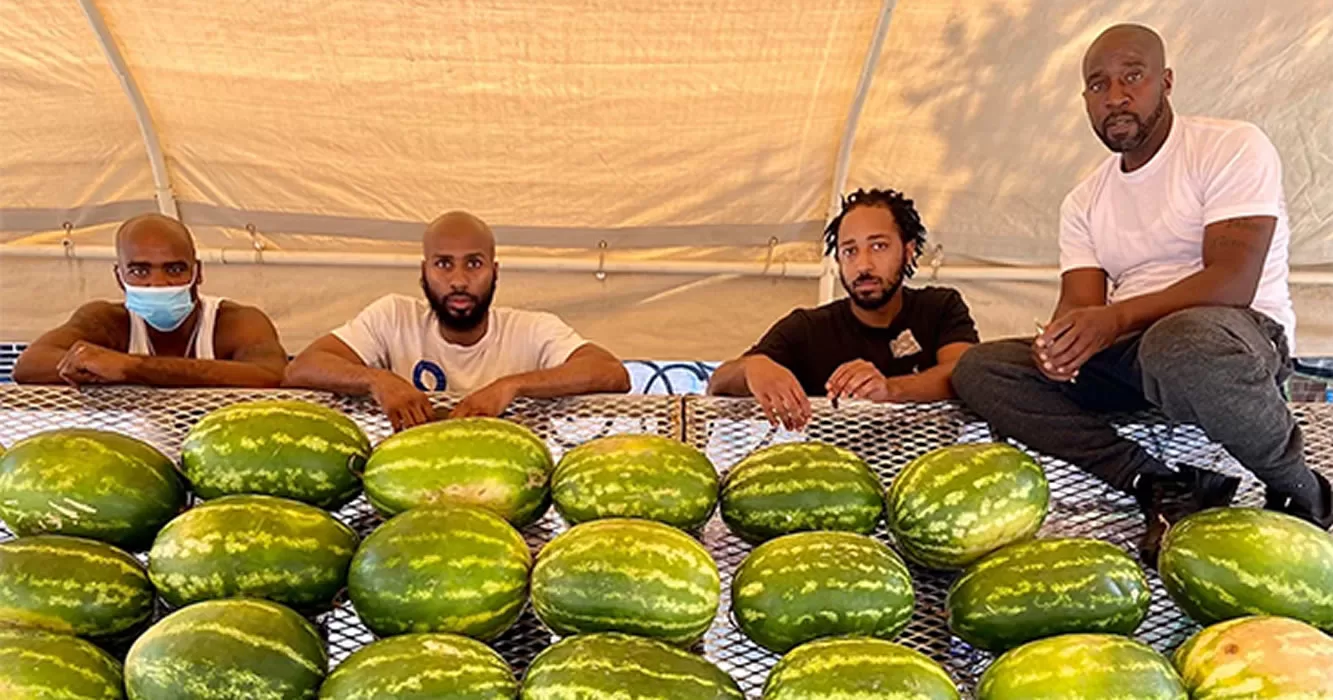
887,437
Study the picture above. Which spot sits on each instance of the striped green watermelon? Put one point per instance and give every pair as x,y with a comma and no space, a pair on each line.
635,476
809,585
88,483
800,486
252,547
1232,562
486,462
1044,588
39,665
72,585
953,506
422,667
234,649
611,666
452,569
857,667
1082,666
633,576
292,449
1255,658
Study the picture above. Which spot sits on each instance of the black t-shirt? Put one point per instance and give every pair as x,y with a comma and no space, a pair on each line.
812,343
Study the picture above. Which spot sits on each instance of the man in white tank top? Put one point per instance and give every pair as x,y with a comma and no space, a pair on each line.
165,333
1173,296
452,341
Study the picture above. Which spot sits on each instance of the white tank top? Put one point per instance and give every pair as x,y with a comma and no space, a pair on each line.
201,342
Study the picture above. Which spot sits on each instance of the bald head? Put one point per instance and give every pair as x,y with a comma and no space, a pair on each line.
458,230
1137,38
155,250
157,229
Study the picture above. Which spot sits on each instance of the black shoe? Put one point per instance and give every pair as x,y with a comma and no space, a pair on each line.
1165,500
1321,515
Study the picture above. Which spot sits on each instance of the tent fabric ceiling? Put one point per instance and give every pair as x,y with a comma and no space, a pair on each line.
674,129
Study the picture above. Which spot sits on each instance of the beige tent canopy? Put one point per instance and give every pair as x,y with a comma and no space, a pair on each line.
658,173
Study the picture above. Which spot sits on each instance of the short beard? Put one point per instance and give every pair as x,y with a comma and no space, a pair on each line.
1144,132
879,301
481,306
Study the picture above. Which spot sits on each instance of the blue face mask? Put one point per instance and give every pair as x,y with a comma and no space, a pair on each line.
163,308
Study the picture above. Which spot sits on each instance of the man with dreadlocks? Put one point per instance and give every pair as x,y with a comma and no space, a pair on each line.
1173,295
885,342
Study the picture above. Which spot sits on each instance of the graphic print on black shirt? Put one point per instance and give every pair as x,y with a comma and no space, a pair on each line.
812,343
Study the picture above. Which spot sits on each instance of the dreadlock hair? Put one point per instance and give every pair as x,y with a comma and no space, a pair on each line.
904,214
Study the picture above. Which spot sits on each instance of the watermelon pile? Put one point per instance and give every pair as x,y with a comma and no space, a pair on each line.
809,585
255,547
1257,657
857,667
292,449
635,476
487,462
950,507
1043,588
236,648
800,487
455,569
621,575
1233,562
88,483
618,666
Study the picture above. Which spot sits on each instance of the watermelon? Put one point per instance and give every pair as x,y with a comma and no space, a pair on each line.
40,665
422,667
622,575
1257,657
612,666
88,483
1232,562
1044,588
808,585
953,506
252,547
1083,666
801,486
635,476
234,649
72,585
292,449
857,667
486,462
454,569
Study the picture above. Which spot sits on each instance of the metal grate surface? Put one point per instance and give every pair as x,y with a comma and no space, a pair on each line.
888,437
164,417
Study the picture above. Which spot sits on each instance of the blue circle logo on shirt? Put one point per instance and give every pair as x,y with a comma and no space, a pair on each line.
426,367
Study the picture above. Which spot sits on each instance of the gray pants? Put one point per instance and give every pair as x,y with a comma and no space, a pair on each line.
1220,368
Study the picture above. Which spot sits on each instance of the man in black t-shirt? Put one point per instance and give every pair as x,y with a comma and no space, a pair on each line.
884,342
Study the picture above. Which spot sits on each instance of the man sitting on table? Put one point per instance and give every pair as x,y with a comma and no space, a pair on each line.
400,347
165,333
885,342
1186,221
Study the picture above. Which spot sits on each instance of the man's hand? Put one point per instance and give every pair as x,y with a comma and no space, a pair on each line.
403,403
489,401
1071,340
86,363
859,379
778,392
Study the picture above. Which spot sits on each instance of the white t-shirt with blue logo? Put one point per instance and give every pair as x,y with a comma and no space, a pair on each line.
399,333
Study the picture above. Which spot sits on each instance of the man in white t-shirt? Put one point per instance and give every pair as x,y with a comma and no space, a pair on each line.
452,341
1188,225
